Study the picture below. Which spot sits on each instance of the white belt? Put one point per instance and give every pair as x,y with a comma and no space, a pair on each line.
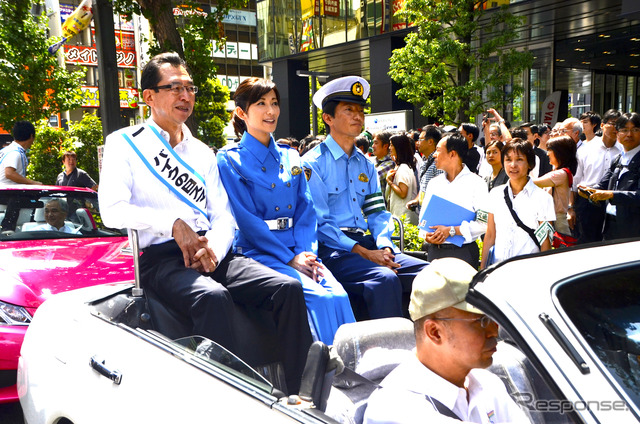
279,223
353,230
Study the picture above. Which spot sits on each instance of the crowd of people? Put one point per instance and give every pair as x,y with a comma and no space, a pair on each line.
570,191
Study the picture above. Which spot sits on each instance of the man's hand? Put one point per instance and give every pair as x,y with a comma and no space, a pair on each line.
439,235
598,195
307,263
195,249
382,257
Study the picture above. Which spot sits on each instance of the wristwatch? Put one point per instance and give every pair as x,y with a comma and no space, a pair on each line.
452,231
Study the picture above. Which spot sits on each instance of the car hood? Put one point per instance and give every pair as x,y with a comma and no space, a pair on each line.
32,271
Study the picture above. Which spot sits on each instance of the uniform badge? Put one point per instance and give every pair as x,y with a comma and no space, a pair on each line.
296,170
357,89
362,177
307,173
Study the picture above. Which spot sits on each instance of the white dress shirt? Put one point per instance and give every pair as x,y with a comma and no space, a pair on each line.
532,205
66,228
467,190
402,398
132,197
594,159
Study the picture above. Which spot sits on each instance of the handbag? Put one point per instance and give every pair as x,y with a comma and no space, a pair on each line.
563,240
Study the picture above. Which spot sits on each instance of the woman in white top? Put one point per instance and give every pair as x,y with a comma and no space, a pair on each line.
402,184
532,206
558,182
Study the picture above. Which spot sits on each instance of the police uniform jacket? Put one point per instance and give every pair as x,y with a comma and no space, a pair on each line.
346,193
267,184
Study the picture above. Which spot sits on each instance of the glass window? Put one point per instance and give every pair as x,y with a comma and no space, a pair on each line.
577,82
631,94
539,83
605,308
47,214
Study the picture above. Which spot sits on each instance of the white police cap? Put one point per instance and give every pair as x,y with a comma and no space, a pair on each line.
346,89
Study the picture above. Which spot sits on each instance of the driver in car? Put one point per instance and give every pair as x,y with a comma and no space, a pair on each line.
445,381
55,213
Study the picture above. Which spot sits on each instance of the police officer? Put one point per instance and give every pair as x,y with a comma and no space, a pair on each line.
348,200
270,200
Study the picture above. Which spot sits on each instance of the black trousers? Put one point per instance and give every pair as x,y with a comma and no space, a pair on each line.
590,219
208,300
470,253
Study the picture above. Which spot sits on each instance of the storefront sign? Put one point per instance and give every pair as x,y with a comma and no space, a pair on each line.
319,8
246,51
240,17
88,56
128,97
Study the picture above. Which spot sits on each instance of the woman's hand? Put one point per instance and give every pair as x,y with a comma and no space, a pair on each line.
308,264
391,175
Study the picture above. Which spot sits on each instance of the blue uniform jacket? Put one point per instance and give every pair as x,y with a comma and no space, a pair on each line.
339,185
265,183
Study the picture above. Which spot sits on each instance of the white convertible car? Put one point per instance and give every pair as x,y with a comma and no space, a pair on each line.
569,353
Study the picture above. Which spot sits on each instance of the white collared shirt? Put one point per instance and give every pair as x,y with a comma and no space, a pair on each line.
132,197
594,159
401,399
467,190
533,205
66,228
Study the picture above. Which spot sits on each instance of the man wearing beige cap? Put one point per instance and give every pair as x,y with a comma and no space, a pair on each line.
445,381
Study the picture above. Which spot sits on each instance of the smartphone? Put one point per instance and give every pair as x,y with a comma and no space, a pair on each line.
584,191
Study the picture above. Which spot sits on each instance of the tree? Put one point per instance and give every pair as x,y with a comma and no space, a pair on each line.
32,85
211,112
198,31
455,55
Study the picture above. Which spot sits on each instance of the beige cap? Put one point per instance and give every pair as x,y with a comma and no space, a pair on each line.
444,283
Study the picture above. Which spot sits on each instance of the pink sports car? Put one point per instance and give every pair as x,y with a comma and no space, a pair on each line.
51,240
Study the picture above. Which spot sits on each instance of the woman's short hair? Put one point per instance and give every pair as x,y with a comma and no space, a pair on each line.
521,146
248,92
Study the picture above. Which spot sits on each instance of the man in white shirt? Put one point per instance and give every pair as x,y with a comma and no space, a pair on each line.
13,158
159,179
463,188
446,381
594,159
55,213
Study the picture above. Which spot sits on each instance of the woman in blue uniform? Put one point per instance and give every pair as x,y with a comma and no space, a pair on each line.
271,202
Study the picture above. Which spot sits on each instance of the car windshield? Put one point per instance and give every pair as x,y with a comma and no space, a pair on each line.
51,214
605,308
222,358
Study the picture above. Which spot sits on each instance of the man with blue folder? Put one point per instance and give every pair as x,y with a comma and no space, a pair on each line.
452,218
354,227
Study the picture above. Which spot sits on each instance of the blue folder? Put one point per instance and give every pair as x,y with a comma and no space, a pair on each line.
443,212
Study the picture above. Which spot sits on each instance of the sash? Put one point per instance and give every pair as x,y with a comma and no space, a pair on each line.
171,170
23,157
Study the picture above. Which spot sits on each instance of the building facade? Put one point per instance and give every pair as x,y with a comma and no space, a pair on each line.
586,51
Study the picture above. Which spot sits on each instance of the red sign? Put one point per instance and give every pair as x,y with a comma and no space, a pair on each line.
331,7
88,56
